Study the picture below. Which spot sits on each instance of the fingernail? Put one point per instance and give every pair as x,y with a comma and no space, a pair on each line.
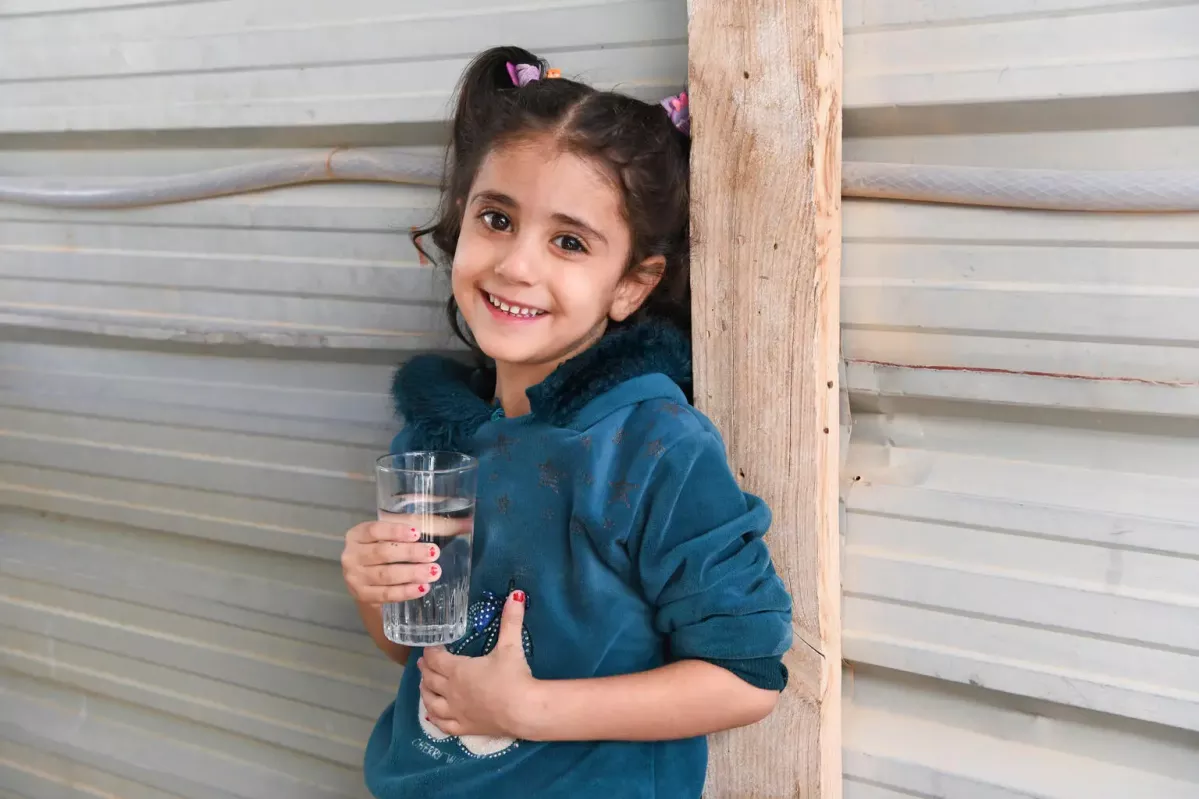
519,596
422,588
433,570
432,552
415,534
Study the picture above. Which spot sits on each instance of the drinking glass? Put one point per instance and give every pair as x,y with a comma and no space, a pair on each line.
434,492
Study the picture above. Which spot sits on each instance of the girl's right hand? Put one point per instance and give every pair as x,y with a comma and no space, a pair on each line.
386,562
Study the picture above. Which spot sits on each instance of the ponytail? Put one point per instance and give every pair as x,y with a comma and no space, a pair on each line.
484,91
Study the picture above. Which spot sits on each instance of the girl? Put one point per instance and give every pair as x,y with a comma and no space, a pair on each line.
623,602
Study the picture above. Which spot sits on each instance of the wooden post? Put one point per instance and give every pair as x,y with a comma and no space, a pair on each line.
765,94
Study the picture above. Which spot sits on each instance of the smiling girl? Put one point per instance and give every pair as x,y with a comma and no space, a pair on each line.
624,604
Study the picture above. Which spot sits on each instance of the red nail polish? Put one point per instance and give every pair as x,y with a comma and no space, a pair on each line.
432,552
422,588
519,596
428,719
433,570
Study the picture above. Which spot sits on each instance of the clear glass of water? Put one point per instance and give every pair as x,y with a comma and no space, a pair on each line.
435,493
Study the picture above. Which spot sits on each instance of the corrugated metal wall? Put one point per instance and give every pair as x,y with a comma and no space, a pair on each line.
1021,562
191,397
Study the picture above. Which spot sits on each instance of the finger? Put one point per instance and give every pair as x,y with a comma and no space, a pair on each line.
434,683
384,594
376,553
512,621
402,574
428,695
390,530
448,726
438,661
427,523
437,706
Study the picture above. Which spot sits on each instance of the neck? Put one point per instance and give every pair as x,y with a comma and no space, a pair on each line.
513,380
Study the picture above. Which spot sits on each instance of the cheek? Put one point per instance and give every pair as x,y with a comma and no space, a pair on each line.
470,258
586,289
465,275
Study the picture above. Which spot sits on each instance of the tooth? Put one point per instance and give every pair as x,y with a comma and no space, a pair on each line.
504,306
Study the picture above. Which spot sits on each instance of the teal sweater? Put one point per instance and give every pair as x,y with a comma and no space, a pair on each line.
612,506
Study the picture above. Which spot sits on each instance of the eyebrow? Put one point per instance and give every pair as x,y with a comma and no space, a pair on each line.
499,198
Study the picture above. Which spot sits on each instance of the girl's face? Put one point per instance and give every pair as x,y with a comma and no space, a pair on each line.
541,261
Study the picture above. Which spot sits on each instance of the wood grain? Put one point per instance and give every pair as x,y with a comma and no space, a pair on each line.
765,84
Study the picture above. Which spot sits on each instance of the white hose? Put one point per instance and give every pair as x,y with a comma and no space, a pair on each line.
379,165
1057,190
1157,191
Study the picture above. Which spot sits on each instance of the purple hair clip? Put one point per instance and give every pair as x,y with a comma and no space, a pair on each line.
523,74
679,110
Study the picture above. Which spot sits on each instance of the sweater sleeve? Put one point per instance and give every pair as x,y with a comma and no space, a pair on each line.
703,564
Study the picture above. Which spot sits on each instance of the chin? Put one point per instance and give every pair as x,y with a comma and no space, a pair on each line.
496,348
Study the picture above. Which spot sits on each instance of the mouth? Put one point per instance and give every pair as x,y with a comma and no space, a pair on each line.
510,310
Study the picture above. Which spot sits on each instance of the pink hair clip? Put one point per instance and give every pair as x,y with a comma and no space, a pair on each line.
679,109
523,74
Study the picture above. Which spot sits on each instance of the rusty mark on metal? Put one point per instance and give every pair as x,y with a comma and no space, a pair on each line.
329,173
987,370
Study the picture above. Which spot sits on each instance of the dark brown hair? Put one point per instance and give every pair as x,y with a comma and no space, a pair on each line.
646,156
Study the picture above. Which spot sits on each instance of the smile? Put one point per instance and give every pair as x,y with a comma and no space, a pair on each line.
518,311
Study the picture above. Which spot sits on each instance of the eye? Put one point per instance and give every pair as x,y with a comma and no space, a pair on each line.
496,221
570,243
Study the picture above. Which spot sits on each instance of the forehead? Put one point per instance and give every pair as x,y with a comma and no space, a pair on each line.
544,179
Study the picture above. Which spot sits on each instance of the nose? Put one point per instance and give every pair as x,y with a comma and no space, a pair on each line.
519,263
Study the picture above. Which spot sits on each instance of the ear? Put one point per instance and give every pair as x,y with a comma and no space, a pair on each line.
635,286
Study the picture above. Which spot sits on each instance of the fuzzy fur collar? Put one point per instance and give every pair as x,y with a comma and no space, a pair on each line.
444,402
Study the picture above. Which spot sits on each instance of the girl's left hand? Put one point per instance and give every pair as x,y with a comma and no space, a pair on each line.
484,695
